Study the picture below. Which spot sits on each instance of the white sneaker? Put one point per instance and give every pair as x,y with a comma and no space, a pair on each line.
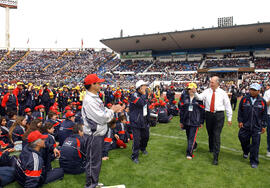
268,154
189,157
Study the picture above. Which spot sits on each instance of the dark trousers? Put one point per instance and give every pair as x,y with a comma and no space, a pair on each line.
21,110
268,134
77,170
191,132
214,125
94,148
234,103
6,175
244,136
54,174
107,147
140,140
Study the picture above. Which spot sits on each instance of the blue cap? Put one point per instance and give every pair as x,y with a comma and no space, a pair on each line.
255,86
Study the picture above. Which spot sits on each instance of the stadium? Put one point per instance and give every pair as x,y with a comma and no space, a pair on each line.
52,81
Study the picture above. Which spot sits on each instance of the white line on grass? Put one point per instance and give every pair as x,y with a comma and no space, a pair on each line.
223,147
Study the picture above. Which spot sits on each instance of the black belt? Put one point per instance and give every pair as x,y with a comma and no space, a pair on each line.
216,112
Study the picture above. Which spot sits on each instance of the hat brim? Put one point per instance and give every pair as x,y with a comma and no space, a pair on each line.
43,136
100,80
255,89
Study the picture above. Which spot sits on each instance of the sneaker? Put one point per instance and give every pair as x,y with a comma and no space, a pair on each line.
145,152
99,185
136,161
189,157
245,156
268,154
254,166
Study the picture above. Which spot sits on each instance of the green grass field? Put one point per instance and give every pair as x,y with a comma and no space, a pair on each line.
166,165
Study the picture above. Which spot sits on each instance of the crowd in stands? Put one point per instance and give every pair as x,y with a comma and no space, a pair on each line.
133,66
174,66
262,63
217,63
11,57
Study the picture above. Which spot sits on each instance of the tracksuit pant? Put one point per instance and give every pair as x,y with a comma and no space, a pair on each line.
140,140
191,132
107,147
54,174
94,147
6,175
244,136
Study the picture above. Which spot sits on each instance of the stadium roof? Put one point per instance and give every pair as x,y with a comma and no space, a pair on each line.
217,37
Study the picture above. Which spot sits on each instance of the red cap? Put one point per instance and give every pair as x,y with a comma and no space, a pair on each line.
70,114
174,102
172,86
79,107
166,100
120,102
91,79
67,108
163,104
35,135
27,110
121,143
36,108
55,111
41,106
109,104
74,103
53,108
151,107
3,144
78,103
55,104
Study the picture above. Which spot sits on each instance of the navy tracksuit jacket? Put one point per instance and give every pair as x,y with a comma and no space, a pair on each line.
72,158
30,171
65,130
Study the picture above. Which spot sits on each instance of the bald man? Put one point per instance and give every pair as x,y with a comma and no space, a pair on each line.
216,102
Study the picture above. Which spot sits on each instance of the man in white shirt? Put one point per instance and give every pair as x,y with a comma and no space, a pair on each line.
267,99
95,117
216,101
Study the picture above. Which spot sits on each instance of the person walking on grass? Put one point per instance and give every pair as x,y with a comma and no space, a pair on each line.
192,117
252,120
216,102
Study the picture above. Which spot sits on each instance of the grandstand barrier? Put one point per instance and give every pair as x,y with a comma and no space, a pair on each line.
262,70
202,70
246,69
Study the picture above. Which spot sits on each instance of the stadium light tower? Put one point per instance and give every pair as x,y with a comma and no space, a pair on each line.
225,22
8,4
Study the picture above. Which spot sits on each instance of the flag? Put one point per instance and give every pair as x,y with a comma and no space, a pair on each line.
82,43
27,41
